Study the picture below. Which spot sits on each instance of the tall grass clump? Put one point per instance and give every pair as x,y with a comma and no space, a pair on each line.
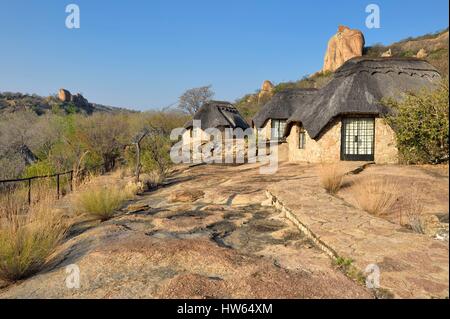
100,202
153,179
375,196
331,177
412,210
28,237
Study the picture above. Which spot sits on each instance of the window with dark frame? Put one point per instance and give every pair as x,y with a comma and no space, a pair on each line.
302,140
278,127
358,139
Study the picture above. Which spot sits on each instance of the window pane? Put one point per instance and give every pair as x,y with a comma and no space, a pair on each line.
301,140
282,128
275,126
358,136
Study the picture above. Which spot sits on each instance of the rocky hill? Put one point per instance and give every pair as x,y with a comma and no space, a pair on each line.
63,102
346,44
432,47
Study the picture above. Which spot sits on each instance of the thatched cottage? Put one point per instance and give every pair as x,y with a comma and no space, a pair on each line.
344,119
213,114
272,118
270,122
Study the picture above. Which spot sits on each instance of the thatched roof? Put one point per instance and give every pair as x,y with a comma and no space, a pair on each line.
282,105
214,114
358,87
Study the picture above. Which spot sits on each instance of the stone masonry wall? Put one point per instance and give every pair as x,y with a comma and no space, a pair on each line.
386,151
266,130
328,147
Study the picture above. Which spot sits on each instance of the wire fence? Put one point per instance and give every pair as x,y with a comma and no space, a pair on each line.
10,184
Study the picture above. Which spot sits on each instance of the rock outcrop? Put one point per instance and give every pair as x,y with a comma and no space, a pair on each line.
344,45
422,54
77,99
266,90
387,54
64,95
80,101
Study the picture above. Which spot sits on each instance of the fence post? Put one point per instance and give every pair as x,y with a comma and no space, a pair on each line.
29,191
138,162
57,185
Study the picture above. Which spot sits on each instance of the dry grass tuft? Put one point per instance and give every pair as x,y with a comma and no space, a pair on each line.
153,179
376,196
28,236
412,210
331,177
122,172
99,202
133,188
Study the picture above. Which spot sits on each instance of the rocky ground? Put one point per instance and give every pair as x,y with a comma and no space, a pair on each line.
206,235
407,263
210,232
428,184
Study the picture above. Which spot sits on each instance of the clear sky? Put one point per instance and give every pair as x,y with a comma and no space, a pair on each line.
144,54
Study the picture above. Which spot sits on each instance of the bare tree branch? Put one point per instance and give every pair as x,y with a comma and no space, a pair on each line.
193,99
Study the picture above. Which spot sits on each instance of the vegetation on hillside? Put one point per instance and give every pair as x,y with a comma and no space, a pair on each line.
437,51
14,102
75,141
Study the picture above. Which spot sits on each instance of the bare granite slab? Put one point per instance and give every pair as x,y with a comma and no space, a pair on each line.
411,265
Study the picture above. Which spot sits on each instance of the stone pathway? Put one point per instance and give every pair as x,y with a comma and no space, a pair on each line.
411,265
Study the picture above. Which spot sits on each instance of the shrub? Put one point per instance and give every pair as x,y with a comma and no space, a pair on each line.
155,155
100,202
104,135
421,123
331,177
40,168
375,196
28,236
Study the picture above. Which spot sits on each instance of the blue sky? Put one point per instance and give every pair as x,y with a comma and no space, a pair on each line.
144,54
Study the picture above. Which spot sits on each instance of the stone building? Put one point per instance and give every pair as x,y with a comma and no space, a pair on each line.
270,122
345,119
213,114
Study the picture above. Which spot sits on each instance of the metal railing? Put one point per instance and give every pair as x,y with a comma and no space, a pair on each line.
28,180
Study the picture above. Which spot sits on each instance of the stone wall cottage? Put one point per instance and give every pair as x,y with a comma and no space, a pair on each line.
344,119
213,114
270,122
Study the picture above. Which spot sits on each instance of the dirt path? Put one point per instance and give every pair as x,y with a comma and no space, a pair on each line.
204,236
